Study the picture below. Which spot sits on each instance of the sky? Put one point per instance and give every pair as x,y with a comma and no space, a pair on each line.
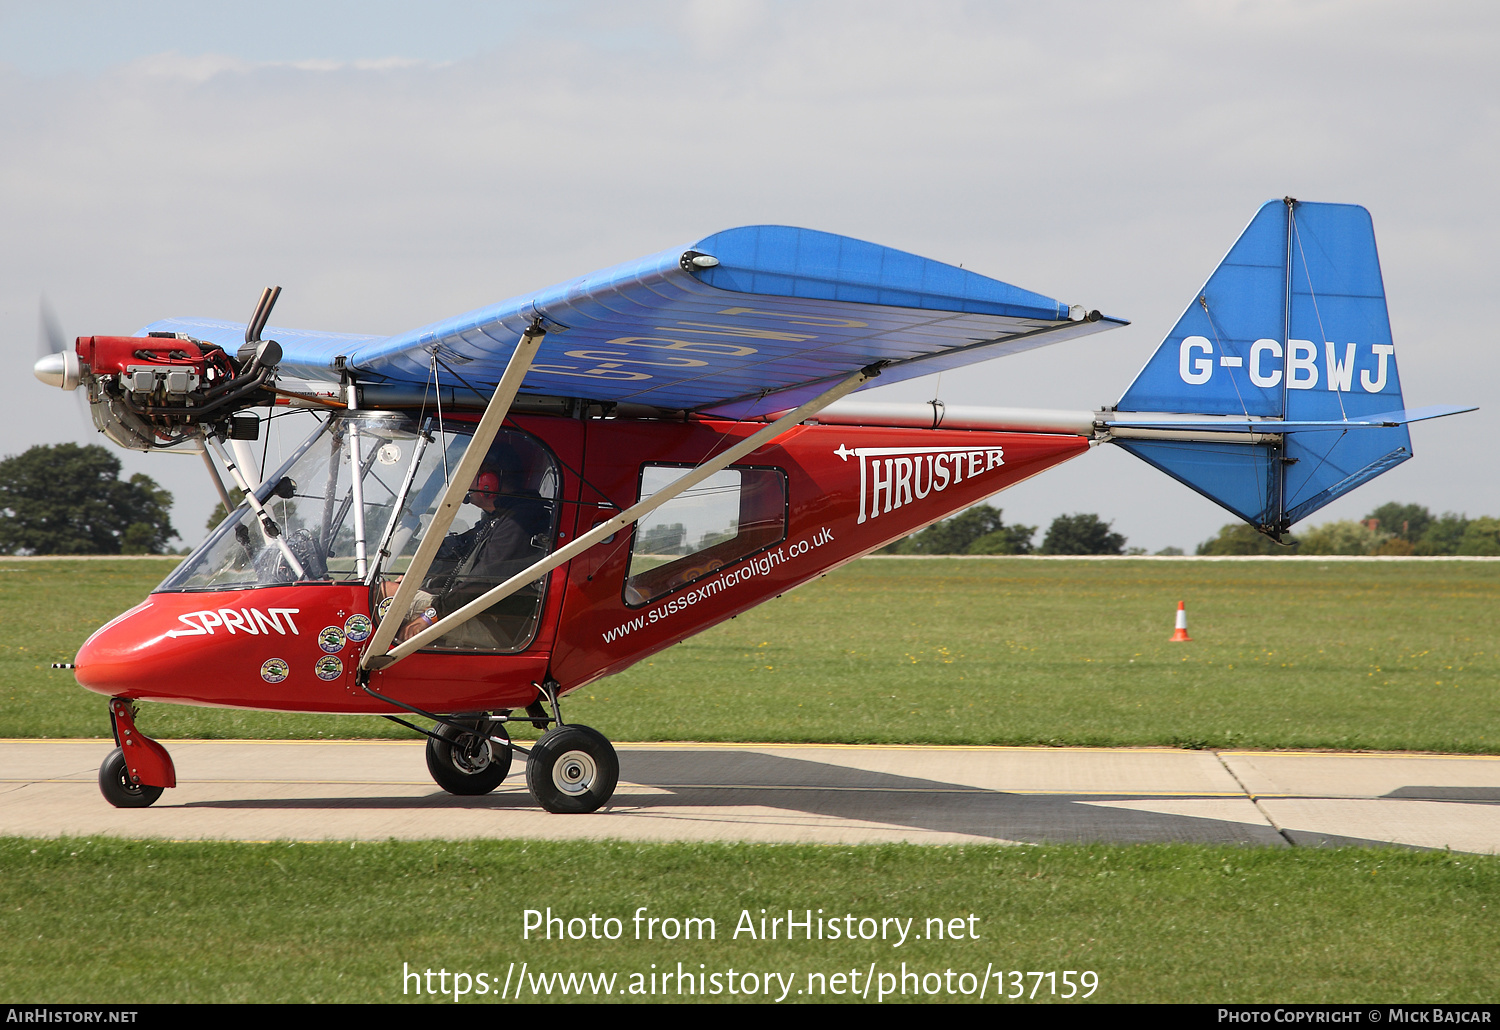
391,164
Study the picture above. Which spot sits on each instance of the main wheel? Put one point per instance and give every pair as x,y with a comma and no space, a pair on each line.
465,761
115,785
572,769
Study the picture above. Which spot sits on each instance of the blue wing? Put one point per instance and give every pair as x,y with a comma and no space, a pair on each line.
762,320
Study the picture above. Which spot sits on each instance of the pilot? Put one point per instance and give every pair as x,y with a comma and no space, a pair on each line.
504,539
510,534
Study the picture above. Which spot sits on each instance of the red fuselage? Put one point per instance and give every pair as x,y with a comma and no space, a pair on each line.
848,490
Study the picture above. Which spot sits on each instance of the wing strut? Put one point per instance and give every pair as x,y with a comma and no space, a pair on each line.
268,527
213,474
580,544
453,495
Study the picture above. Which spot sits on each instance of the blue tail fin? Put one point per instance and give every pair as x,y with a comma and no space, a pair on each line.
1290,333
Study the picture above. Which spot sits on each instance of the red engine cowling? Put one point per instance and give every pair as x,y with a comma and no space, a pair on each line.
155,391
155,368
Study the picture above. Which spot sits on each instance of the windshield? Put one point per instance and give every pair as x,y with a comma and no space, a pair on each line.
309,500
338,527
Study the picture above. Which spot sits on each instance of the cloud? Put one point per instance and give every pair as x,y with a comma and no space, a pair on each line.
197,69
1105,154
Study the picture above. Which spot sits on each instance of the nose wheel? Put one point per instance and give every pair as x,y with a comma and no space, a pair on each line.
119,789
135,773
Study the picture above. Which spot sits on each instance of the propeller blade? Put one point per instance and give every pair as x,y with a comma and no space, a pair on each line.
52,344
49,339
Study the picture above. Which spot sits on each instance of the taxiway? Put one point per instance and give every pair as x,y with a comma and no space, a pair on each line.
375,790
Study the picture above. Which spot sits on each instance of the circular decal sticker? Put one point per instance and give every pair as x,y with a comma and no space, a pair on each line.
331,639
389,454
329,667
383,607
274,670
357,627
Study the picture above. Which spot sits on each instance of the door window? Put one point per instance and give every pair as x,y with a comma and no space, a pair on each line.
729,516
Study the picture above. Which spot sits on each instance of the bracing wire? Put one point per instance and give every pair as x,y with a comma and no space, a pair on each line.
1322,335
1244,409
608,502
437,392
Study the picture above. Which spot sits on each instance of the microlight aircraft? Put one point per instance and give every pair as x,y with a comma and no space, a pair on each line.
497,509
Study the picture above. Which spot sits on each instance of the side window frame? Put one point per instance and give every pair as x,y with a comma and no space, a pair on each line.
635,535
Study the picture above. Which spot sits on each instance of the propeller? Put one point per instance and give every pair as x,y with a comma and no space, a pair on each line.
50,339
57,364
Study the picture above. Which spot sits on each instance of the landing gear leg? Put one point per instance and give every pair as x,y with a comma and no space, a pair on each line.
136,772
572,769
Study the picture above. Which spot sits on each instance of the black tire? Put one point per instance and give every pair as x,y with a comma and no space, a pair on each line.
115,785
464,763
572,770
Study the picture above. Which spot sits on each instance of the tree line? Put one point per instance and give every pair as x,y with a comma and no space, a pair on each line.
1391,529
981,530
68,499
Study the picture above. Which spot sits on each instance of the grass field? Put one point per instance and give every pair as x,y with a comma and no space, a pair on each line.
1394,655
211,922
1382,655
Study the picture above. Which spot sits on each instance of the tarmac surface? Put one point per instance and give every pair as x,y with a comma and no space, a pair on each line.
376,790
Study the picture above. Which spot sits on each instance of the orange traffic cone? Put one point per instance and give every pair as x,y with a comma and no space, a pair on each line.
1181,632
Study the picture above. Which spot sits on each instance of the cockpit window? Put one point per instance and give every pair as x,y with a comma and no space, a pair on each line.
333,525
309,501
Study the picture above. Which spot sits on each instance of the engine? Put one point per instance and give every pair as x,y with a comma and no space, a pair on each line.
162,389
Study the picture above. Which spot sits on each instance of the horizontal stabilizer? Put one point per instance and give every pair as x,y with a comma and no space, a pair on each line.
1387,419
